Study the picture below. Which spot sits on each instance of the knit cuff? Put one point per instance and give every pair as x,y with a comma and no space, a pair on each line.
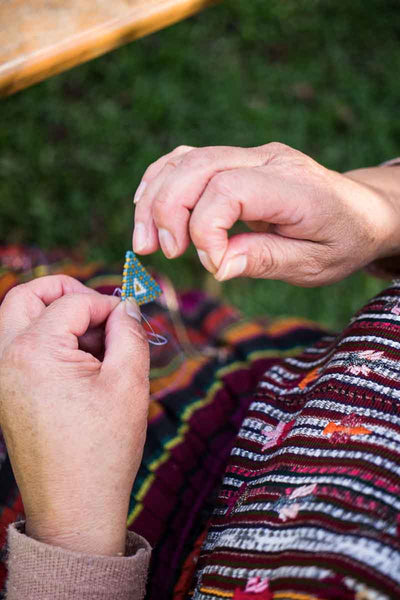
37,571
389,267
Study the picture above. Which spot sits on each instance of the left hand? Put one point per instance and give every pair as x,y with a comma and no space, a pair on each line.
311,226
74,393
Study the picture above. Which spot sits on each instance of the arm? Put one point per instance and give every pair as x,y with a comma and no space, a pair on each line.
74,395
386,181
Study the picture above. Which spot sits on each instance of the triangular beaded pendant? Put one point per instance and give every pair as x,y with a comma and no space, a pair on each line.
136,281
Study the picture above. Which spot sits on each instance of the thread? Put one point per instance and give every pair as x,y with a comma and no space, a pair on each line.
156,339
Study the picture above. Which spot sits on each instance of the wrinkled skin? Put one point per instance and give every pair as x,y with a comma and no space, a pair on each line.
311,226
74,425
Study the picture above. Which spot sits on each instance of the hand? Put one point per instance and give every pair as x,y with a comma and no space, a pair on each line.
311,226
74,425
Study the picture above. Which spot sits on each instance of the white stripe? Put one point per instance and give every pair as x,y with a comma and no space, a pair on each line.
384,316
280,373
313,426
338,379
342,480
328,508
290,571
369,551
347,409
370,339
390,441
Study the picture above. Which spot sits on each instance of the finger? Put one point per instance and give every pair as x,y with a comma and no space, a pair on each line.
72,315
145,236
183,188
126,345
156,167
249,195
184,185
26,302
271,256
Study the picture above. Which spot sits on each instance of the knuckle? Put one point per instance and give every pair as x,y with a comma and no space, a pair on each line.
15,292
278,148
265,264
173,162
67,279
273,151
201,233
175,157
163,203
182,148
65,282
198,158
221,184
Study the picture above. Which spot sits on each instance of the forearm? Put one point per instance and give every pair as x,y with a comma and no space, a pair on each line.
385,180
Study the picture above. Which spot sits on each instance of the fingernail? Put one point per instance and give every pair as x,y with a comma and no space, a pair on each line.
133,309
139,192
139,238
167,242
206,261
233,268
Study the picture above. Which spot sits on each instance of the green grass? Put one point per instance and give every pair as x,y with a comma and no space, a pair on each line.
319,75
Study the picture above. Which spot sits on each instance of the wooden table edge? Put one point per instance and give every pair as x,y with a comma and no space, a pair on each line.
95,42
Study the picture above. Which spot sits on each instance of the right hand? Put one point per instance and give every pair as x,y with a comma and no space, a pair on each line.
311,226
74,392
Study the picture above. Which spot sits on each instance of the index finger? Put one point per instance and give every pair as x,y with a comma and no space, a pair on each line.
156,167
26,302
71,315
168,205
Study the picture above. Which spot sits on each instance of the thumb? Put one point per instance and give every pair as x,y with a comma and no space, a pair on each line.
272,256
126,344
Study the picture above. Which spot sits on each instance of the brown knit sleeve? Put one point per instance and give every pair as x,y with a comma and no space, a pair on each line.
37,571
389,267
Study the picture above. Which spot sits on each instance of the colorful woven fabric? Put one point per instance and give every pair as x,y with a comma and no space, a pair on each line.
309,505
311,495
198,403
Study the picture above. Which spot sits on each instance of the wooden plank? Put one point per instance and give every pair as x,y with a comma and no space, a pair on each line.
39,38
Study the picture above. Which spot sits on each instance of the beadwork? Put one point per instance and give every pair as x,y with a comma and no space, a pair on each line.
136,281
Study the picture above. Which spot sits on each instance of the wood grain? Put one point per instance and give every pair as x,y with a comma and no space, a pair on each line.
39,38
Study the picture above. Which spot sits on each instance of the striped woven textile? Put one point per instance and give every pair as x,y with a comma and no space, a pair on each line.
272,462
309,507
200,397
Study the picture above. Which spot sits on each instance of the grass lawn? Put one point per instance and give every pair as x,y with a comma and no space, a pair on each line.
319,75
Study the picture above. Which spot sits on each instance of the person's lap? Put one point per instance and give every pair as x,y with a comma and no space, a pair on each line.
201,388
324,421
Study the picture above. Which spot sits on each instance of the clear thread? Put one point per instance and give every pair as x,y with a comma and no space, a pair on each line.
156,339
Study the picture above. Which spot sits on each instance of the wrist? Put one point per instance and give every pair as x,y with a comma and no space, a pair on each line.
100,536
383,184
